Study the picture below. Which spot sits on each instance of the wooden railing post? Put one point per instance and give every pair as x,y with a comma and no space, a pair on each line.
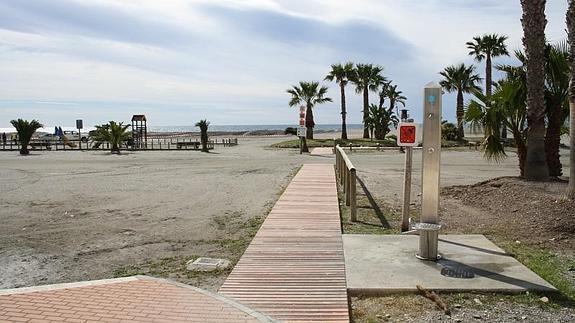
347,186
352,194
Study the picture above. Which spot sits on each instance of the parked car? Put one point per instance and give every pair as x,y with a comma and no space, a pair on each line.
49,137
74,135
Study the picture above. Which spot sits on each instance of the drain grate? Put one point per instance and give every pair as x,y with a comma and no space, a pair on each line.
457,272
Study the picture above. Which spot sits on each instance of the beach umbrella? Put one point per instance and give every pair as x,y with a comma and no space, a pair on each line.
55,131
60,132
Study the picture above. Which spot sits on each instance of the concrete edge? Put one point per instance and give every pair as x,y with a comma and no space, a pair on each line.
251,312
355,292
51,287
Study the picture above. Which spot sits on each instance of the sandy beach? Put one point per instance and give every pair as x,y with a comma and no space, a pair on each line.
70,216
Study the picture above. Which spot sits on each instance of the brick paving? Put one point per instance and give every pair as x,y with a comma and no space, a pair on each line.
133,299
294,268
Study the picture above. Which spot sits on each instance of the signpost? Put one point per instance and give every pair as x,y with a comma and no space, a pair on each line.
79,126
429,227
407,137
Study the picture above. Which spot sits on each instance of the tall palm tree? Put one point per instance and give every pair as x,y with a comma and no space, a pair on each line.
533,22
203,125
114,133
368,78
485,48
571,41
310,94
342,74
25,130
557,102
461,79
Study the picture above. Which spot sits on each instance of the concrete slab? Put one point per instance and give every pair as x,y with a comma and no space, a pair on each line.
322,151
383,264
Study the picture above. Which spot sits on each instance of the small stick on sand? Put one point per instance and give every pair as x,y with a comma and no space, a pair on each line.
436,299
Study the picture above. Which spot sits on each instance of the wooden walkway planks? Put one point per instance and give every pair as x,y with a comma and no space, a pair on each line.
294,269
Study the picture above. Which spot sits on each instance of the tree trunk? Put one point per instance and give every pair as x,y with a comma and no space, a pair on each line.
204,140
521,151
304,149
365,112
379,131
460,113
553,140
343,112
488,79
309,123
24,149
571,190
571,41
534,22
115,149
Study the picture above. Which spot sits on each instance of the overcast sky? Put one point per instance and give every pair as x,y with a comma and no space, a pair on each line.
229,61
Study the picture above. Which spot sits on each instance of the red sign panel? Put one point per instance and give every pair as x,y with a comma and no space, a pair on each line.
407,134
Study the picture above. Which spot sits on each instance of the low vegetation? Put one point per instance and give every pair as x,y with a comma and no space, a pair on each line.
25,130
330,143
113,133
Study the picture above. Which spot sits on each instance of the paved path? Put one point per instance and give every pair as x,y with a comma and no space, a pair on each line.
132,299
322,151
294,269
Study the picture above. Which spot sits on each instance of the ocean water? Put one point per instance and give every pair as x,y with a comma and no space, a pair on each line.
227,128
246,128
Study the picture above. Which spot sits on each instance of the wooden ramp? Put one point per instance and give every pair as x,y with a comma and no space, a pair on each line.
294,269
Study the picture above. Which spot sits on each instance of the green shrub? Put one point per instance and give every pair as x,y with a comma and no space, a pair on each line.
448,131
290,131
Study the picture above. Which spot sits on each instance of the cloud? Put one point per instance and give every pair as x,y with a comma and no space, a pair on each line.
228,60
88,19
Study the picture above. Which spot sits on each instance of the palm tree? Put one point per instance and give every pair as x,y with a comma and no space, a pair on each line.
342,74
462,79
534,21
507,110
485,48
25,130
381,120
571,41
395,97
113,133
310,94
557,102
367,78
203,125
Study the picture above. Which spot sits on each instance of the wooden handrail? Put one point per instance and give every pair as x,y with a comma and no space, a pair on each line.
347,177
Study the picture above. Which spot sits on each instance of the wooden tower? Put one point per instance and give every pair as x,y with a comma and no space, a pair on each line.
139,131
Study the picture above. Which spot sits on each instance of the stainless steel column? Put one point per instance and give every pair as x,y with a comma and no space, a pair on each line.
431,158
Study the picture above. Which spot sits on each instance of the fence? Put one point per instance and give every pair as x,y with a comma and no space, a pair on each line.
170,143
347,178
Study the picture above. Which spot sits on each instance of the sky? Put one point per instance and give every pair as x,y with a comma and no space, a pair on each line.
231,61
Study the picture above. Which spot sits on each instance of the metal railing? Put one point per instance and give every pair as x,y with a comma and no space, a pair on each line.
347,178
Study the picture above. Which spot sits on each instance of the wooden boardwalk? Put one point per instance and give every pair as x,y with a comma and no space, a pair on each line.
294,269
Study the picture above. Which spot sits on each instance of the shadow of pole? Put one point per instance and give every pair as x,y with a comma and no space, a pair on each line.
374,205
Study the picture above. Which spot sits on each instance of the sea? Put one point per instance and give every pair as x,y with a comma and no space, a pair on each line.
213,127
248,128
